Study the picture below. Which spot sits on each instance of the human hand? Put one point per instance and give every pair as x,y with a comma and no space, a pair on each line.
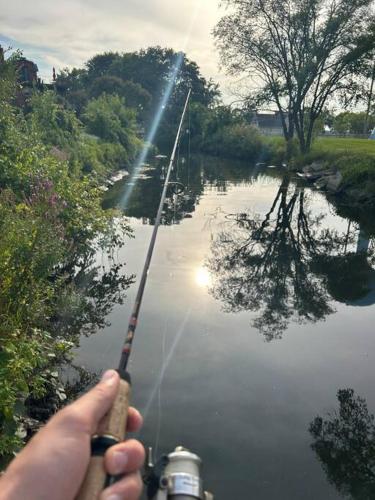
53,464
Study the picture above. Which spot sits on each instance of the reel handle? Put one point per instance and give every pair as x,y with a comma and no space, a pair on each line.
112,430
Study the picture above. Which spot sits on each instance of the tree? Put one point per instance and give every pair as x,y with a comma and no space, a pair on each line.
345,446
100,64
107,117
134,94
352,123
145,76
300,53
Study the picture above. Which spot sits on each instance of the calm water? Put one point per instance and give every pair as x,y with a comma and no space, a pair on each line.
258,310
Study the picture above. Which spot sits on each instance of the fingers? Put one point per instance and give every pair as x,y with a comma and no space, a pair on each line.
135,420
88,410
125,457
129,488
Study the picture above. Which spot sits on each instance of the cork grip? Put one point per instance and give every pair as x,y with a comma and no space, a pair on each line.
112,429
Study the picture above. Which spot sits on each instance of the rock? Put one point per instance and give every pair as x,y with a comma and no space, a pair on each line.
314,168
317,166
331,181
334,182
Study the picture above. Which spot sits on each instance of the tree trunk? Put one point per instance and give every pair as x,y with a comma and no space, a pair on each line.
365,125
309,136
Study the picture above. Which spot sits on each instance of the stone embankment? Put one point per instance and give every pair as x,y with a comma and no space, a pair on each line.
328,179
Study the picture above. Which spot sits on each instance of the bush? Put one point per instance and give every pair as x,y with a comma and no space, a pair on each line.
239,141
52,225
108,118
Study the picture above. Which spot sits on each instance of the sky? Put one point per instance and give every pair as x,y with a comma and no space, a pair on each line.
67,33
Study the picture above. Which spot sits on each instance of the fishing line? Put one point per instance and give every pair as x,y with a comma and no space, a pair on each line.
158,429
146,410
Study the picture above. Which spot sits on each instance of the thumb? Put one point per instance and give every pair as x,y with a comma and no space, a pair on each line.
99,400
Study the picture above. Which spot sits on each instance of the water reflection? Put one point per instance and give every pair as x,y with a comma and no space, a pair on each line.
145,198
89,294
287,265
261,396
195,176
345,445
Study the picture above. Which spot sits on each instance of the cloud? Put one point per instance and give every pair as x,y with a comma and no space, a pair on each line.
68,33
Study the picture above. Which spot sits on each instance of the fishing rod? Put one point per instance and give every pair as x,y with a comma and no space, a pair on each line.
113,426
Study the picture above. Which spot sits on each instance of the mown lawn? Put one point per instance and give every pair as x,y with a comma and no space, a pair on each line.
344,145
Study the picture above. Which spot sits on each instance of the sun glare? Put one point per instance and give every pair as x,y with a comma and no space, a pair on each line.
202,277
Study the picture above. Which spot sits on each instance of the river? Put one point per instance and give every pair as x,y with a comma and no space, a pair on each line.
255,346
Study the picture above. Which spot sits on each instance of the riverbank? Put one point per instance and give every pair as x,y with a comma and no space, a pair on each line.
349,162
52,289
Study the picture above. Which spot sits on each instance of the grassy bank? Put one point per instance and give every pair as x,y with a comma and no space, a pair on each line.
354,158
343,145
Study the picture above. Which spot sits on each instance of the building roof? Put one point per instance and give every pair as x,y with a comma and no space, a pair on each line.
267,120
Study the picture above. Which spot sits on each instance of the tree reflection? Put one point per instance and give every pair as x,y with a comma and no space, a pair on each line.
145,198
285,266
88,296
345,446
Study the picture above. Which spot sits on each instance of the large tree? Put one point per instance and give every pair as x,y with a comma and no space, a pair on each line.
298,52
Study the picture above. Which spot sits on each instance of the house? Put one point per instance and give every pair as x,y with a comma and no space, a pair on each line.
27,78
27,72
269,123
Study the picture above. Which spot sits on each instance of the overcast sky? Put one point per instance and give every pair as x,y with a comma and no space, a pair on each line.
67,33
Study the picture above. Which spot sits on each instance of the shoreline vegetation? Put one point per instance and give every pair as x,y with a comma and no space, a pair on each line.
353,159
57,150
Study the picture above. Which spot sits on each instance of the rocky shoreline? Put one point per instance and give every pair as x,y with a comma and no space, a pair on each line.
331,180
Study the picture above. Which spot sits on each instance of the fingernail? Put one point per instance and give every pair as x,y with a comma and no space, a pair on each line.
114,497
109,377
120,459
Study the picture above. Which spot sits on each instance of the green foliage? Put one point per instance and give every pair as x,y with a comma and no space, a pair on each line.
141,78
240,141
134,94
108,118
7,81
56,125
52,224
99,158
353,123
354,158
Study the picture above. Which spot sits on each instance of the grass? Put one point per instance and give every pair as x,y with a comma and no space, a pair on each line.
342,145
354,158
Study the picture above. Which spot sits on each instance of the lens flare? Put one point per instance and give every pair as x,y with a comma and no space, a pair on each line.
152,132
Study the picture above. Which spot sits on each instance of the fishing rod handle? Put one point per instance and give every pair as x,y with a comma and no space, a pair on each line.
112,430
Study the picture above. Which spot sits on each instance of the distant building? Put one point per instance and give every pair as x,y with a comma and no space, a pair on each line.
27,78
269,123
27,72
